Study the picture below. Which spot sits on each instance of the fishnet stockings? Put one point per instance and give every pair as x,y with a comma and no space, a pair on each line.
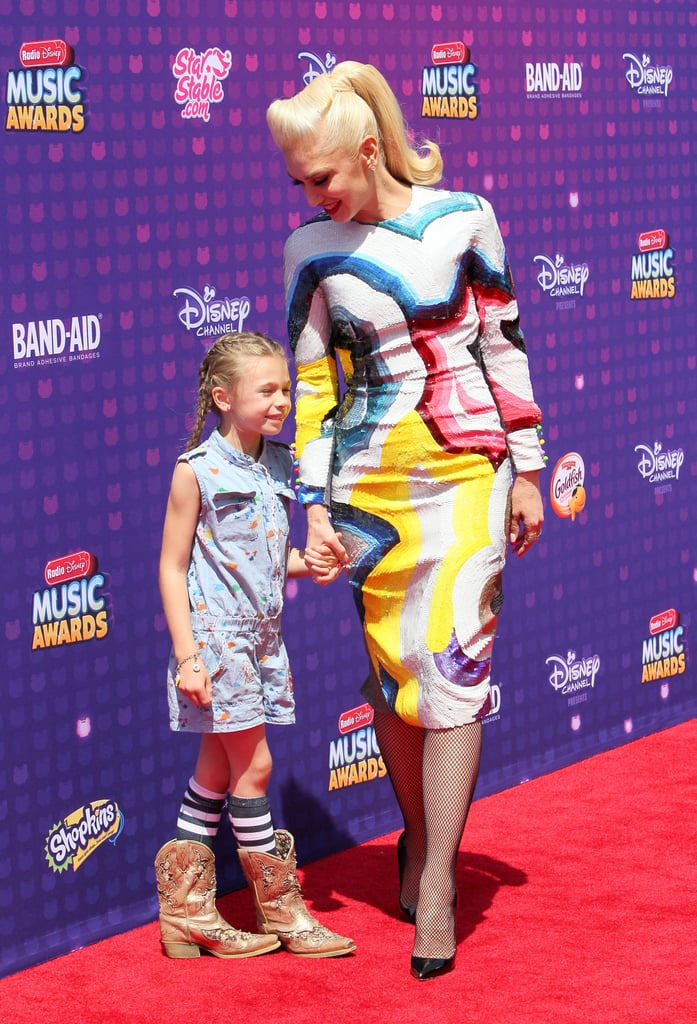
433,773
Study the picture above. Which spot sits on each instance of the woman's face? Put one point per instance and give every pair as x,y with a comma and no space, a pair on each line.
342,184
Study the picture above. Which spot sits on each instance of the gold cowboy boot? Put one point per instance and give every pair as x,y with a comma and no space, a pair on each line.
189,919
279,903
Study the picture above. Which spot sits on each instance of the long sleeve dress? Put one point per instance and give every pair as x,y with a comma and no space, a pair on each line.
414,406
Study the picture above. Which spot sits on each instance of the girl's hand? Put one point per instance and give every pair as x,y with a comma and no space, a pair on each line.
527,514
195,685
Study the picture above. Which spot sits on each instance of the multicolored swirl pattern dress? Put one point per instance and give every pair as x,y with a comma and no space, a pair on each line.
413,451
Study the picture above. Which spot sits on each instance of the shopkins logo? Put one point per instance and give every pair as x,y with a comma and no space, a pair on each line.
316,65
653,276
550,81
448,86
44,342
570,675
663,653
566,489
645,78
73,608
45,94
71,841
200,78
206,315
657,465
559,279
355,756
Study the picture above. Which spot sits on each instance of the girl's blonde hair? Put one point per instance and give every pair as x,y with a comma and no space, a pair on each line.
224,364
341,108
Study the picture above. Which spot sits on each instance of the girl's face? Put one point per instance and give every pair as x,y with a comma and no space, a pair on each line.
342,184
257,403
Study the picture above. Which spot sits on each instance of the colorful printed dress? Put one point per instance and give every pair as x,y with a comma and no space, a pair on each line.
418,315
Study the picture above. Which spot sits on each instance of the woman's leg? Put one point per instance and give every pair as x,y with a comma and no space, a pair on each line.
450,769
402,748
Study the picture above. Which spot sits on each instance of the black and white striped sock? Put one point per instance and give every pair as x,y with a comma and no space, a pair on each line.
250,820
200,813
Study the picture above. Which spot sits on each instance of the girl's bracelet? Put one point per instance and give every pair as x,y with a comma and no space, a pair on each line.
192,657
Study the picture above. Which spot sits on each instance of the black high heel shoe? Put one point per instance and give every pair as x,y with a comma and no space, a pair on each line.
425,967
408,911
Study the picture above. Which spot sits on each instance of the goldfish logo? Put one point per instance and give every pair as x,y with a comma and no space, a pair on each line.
567,493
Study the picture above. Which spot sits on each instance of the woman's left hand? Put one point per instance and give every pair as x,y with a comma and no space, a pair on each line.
527,514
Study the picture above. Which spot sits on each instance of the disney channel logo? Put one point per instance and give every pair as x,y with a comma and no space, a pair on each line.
559,279
645,78
206,314
657,465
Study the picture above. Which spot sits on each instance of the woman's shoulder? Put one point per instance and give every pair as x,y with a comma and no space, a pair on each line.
451,199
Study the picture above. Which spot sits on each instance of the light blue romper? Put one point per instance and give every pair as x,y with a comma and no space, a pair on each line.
235,580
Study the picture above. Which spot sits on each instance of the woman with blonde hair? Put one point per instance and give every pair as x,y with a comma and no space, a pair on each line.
427,464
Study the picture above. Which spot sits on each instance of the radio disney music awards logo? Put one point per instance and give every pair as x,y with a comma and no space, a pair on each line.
200,78
566,490
650,81
563,281
494,712
204,314
73,607
316,65
573,677
663,654
45,342
659,467
551,81
45,94
355,756
71,841
653,276
448,86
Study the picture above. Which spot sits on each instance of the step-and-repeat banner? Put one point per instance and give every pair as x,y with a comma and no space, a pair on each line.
145,211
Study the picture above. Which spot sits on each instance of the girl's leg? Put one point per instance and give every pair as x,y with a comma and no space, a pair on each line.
204,799
249,768
450,769
402,748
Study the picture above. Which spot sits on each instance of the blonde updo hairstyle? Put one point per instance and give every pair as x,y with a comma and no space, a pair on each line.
344,106
223,365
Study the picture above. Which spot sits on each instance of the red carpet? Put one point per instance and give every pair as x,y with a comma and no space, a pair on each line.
578,900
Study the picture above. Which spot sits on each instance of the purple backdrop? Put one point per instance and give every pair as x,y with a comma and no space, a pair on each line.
144,213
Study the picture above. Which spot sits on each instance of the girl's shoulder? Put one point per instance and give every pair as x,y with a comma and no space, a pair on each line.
278,458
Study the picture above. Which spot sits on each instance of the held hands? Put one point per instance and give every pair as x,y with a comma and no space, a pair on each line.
325,555
526,512
323,562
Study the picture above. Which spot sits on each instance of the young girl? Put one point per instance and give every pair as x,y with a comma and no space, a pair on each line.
225,557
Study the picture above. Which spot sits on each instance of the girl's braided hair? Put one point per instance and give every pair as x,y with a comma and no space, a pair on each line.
222,366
